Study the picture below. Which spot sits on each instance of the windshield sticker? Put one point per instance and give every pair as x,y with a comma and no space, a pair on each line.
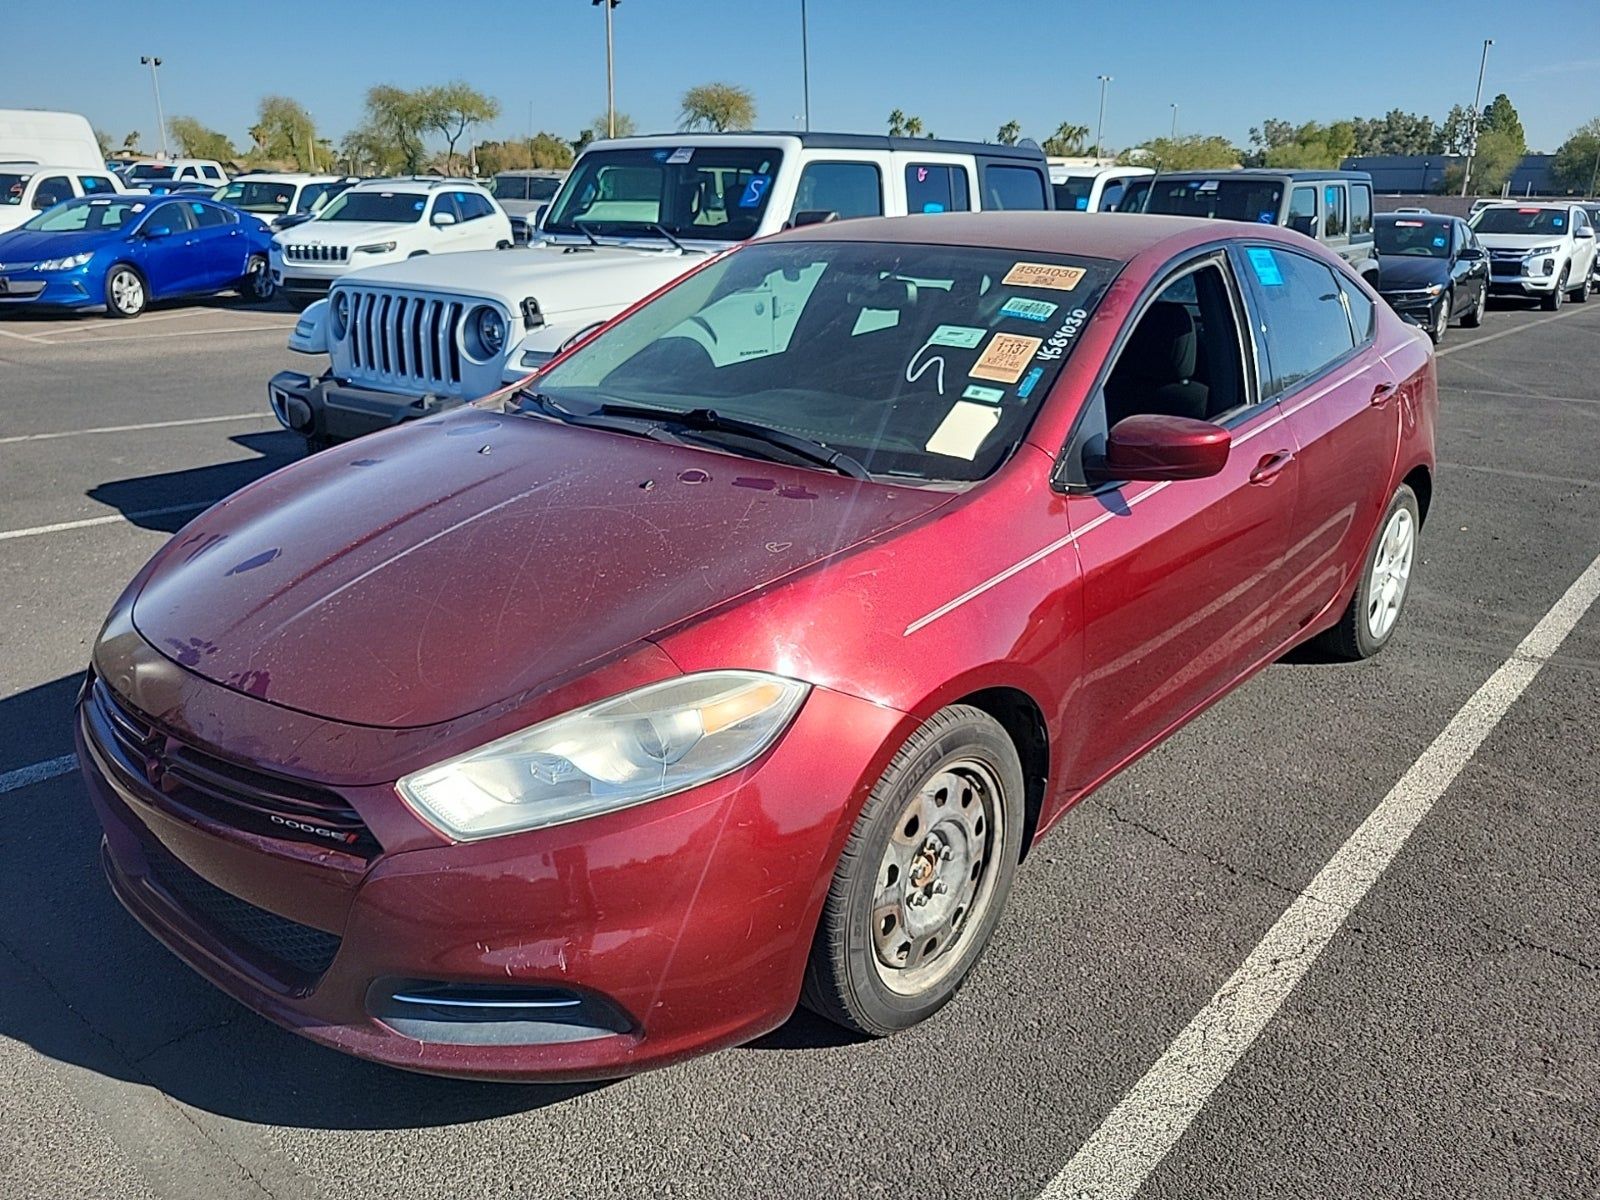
1062,338
755,191
1029,382
418,205
681,155
661,155
1027,310
1267,217
1441,241
1265,266
1558,222
963,430
1043,275
963,337
1210,185
932,206
984,395
1005,357
1081,203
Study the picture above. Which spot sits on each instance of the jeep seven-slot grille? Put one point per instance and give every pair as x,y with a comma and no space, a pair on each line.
268,805
298,252
396,337
276,940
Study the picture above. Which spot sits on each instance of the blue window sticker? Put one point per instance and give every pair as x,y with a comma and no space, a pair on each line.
1081,203
1267,217
1029,382
661,155
1027,310
197,208
932,206
1558,222
1265,266
418,204
755,191
1441,241
984,395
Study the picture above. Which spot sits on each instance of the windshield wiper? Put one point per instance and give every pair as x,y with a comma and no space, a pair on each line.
662,230
707,420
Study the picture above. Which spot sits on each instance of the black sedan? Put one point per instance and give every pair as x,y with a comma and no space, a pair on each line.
1432,269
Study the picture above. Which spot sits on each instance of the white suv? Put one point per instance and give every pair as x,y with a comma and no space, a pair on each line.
1098,188
410,339
386,221
1538,250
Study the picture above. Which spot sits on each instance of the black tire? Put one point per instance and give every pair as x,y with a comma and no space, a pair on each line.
1553,300
256,286
1581,295
127,294
846,975
1353,637
1474,316
1441,319
504,245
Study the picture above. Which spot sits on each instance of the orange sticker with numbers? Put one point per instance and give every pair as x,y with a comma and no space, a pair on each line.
1005,357
1044,275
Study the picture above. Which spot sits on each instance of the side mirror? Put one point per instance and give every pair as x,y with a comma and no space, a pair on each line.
1583,233
539,215
1472,254
444,218
158,231
813,216
1148,446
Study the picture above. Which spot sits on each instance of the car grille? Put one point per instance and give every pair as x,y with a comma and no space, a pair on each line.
266,805
304,253
401,339
276,941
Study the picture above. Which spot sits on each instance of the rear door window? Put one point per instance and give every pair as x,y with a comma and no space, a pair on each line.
1360,212
1303,310
851,189
52,190
209,216
1335,211
1303,211
1009,189
936,187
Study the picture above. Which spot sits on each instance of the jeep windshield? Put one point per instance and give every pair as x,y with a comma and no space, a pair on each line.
917,362
391,208
1222,199
715,193
1552,221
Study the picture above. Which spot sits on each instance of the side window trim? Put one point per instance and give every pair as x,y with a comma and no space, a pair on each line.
1258,327
877,169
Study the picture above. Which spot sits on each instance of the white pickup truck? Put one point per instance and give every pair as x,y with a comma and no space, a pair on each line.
416,337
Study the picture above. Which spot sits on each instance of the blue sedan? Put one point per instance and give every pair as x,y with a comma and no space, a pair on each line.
122,252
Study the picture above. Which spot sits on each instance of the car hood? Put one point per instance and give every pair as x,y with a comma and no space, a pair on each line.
429,571
1520,241
346,233
27,246
561,278
1399,272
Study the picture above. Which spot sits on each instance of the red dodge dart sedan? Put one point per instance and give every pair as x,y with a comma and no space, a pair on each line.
738,660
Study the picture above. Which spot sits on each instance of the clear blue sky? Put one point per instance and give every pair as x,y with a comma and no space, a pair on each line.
964,67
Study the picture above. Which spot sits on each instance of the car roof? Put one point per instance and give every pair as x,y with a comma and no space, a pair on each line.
33,168
833,141
1415,215
1296,176
284,177
1116,236
533,172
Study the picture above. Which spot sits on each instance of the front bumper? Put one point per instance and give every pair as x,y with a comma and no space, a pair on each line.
58,289
1518,282
668,930
324,411
1413,304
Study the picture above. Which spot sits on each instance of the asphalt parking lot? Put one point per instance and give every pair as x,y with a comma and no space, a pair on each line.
1443,1043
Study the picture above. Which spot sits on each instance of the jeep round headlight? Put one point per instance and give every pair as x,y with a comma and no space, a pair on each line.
490,327
339,308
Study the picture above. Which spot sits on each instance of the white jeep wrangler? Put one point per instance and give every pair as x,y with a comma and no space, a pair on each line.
416,337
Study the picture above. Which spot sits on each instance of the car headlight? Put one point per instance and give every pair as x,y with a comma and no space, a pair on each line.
339,313
1543,250
66,264
639,746
1433,289
491,327
375,248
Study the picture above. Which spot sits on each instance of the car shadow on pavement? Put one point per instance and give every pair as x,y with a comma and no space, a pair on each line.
149,501
84,985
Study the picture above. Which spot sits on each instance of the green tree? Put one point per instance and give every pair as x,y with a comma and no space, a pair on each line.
453,109
596,129
285,134
717,107
1191,152
196,141
542,150
1279,144
901,125
1067,141
1453,133
1396,132
1577,161
130,143
389,139
1497,156
1008,134
1499,116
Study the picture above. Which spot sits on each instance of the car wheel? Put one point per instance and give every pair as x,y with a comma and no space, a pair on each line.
257,286
1441,319
922,879
1580,294
1553,301
1374,611
126,295
1474,317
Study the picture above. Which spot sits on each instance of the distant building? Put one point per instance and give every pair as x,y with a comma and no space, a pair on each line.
1413,174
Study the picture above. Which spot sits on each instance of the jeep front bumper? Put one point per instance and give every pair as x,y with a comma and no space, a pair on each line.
325,411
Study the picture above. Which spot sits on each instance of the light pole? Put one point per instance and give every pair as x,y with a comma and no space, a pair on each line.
1100,128
151,61
611,79
1477,108
1174,122
805,64
1426,163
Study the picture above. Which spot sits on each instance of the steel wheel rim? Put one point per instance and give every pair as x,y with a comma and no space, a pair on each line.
936,878
260,281
127,293
1391,573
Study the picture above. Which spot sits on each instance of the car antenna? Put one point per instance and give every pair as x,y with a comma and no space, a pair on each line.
662,230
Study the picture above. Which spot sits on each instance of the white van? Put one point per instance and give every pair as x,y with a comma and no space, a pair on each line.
59,138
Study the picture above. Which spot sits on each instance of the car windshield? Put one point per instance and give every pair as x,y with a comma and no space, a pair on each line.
1072,194
1522,220
87,215
1226,199
395,208
152,171
1133,198
509,187
12,186
1416,238
709,192
921,362
257,196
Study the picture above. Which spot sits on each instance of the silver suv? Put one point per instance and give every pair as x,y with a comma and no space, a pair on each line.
1334,207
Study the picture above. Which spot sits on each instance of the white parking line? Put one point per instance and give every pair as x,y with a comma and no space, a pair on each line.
147,337
66,433
8,534
1120,1155
37,773
1495,337
22,337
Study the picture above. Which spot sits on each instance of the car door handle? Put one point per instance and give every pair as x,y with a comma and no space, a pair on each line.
1268,468
1381,394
